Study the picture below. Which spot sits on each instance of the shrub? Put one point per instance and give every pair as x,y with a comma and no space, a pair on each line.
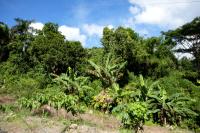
132,115
21,84
103,101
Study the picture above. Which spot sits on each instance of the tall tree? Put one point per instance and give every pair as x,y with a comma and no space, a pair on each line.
188,36
160,60
20,39
126,44
52,51
4,40
22,29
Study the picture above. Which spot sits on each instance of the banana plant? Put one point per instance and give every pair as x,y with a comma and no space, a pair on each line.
109,72
73,83
137,90
167,108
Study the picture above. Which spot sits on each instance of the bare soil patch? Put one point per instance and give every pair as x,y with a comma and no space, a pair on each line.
7,100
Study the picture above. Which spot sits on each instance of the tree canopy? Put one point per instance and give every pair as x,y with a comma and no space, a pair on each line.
188,36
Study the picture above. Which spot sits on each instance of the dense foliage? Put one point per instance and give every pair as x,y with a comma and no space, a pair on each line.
53,98
134,78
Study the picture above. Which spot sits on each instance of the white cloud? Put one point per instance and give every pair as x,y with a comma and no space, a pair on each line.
94,29
37,25
72,34
110,26
165,13
134,10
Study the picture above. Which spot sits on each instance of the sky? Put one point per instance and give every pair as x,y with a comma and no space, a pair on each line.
84,20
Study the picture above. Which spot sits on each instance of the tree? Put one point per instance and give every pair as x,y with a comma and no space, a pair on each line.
21,30
20,39
55,54
188,36
96,54
160,60
50,27
126,44
4,40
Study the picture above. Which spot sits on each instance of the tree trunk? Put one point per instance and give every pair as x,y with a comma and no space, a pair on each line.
163,119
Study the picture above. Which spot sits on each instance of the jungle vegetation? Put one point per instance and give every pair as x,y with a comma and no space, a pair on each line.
136,79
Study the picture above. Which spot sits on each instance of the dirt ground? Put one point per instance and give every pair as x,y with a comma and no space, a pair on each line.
89,124
6,100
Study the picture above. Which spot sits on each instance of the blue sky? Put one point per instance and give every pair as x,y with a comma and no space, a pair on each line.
71,12
84,20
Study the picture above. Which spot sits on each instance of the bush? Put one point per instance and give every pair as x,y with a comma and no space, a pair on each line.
103,101
19,85
132,115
